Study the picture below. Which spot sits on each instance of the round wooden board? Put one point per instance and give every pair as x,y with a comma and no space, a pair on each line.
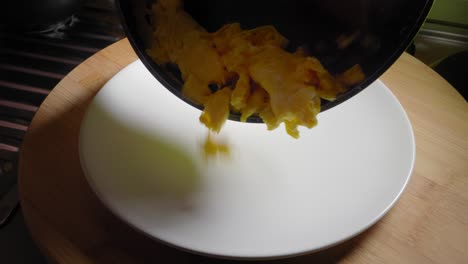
428,225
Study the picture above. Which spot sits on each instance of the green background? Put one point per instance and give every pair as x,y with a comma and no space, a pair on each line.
453,11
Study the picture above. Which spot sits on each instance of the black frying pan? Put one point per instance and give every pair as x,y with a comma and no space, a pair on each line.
384,29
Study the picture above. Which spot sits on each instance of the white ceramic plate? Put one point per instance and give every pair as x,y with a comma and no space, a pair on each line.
274,196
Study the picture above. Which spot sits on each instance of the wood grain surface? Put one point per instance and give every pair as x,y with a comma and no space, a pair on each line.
429,224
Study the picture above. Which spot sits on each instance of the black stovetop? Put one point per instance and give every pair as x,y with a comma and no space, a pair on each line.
31,64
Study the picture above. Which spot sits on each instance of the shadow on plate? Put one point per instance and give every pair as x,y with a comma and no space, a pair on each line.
136,165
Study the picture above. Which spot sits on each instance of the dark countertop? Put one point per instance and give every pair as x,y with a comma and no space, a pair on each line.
16,245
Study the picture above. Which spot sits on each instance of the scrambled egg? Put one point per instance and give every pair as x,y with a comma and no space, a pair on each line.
213,147
252,71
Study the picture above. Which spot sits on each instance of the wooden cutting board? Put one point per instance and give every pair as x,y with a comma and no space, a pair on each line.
429,224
